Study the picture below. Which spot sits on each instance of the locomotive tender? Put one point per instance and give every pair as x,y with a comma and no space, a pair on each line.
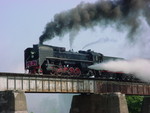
52,60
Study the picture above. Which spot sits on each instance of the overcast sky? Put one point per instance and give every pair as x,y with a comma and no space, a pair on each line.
23,21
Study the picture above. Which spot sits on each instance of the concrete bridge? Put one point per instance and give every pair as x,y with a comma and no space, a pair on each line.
13,86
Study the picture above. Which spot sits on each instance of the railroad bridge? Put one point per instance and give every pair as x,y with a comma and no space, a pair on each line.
14,85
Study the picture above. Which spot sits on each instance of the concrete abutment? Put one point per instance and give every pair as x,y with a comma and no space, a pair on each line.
146,105
99,103
13,102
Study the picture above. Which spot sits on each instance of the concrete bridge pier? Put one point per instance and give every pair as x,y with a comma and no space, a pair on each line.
13,102
99,103
146,105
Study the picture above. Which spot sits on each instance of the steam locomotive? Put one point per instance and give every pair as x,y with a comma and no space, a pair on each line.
52,60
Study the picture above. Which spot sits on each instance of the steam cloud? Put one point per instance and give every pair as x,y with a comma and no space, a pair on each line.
137,67
121,13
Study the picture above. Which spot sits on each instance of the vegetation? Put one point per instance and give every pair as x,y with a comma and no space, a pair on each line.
134,103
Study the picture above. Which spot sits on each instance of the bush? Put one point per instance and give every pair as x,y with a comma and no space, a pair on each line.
134,103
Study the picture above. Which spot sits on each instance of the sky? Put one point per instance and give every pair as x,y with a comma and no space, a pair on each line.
22,22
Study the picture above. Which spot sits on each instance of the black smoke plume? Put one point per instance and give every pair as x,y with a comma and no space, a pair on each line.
121,13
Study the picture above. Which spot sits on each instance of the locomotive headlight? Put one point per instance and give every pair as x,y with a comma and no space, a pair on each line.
32,54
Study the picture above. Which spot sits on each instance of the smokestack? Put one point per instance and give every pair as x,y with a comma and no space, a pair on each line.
121,13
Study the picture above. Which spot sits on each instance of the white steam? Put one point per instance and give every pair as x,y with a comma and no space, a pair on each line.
138,67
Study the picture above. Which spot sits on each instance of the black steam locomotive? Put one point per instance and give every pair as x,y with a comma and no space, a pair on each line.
51,60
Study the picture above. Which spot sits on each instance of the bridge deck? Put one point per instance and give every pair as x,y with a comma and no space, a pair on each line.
52,84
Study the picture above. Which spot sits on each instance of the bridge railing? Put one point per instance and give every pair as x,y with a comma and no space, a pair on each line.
39,83
57,84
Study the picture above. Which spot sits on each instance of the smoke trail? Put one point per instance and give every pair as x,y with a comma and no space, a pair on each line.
104,40
121,13
137,67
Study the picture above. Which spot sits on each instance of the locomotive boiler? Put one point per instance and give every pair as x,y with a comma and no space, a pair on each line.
52,60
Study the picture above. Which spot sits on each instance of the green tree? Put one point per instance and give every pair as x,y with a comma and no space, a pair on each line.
134,103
